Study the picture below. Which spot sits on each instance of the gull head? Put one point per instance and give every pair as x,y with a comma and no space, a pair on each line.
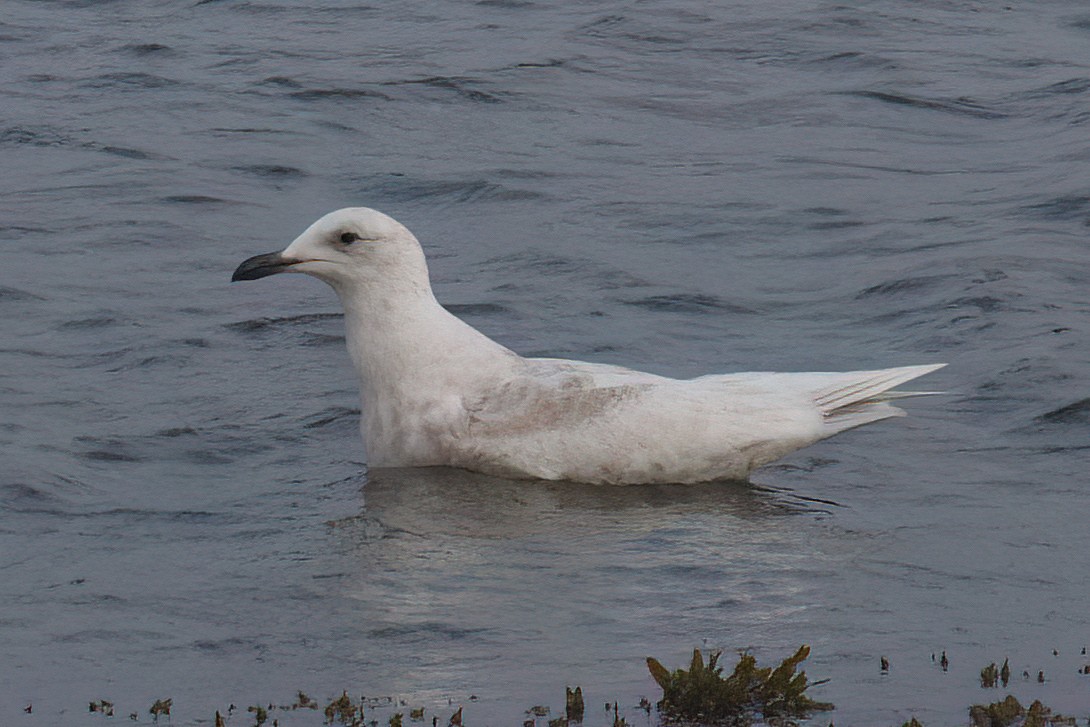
347,248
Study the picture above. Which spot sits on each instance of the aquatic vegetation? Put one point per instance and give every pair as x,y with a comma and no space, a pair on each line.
699,696
996,714
989,676
1009,711
701,693
161,706
261,715
102,705
573,704
344,711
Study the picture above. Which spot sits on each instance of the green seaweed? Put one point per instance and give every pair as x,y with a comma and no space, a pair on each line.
573,700
701,693
1038,715
261,715
161,706
618,720
302,701
996,714
104,706
989,676
344,711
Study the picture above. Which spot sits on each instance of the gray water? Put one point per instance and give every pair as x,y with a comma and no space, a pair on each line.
673,186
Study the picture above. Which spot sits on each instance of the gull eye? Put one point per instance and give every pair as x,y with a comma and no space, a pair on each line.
349,237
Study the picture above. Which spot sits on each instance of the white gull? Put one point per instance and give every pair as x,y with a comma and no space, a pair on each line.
436,391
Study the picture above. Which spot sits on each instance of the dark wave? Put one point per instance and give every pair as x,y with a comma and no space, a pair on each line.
256,325
125,516
20,494
229,644
1075,413
1066,207
124,151
34,136
127,635
1070,86
508,4
135,78
15,294
312,339
87,323
425,632
398,188
283,81
107,455
146,49
465,88
551,63
323,94
602,27
835,225
903,285
537,260
959,106
173,432
195,199
272,171
477,309
331,415
688,303
853,59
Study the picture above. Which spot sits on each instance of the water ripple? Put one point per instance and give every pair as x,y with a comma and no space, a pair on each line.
688,303
958,106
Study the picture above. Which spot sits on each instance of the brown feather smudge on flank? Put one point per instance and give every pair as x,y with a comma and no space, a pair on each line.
519,408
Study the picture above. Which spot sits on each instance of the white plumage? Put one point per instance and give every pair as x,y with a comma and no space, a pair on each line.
436,391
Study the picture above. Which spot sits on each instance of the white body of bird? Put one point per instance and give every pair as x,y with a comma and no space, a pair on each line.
435,391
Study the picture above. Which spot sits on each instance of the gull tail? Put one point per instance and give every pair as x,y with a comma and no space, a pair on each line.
856,398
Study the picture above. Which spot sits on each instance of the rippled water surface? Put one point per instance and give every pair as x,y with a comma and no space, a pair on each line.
678,186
